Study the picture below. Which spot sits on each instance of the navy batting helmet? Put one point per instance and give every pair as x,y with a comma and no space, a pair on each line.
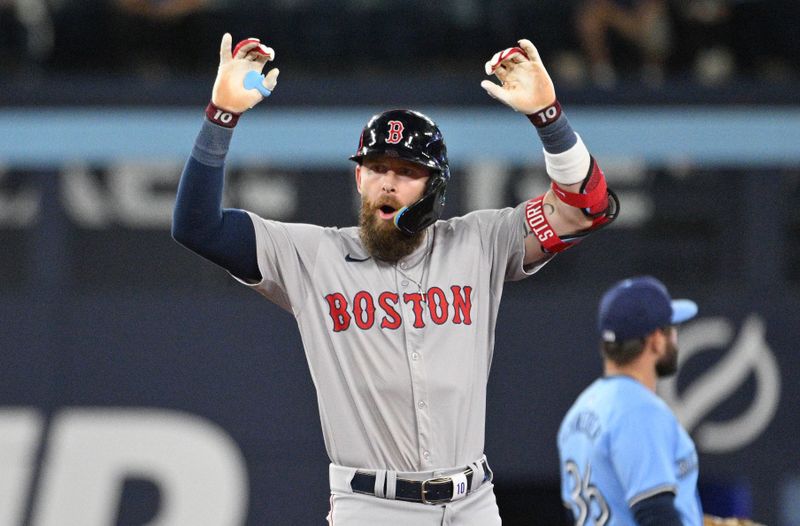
411,136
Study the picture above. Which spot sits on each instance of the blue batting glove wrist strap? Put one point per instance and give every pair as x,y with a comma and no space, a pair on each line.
255,80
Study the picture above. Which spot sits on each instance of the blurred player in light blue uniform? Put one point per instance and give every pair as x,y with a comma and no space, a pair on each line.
625,459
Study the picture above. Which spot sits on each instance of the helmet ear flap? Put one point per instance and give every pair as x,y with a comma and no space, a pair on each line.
425,211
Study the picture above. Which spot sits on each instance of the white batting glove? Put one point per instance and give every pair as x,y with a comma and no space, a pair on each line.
239,85
525,85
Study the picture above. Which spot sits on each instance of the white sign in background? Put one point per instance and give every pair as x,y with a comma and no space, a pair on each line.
89,452
748,353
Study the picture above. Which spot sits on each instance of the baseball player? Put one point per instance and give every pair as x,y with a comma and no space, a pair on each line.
396,315
625,459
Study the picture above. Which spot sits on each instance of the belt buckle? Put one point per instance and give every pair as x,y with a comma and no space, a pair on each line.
423,490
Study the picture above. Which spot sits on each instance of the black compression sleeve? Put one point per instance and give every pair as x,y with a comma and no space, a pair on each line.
658,510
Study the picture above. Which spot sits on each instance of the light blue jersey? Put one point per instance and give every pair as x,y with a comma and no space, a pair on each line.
620,444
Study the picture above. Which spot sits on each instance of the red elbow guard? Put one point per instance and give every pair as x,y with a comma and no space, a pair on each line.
593,195
595,199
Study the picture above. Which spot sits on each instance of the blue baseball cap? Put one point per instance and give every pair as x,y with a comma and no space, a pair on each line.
635,307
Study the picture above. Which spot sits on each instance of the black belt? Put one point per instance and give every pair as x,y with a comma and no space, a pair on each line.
431,491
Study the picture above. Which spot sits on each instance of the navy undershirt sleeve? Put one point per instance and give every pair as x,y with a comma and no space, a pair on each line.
224,236
658,510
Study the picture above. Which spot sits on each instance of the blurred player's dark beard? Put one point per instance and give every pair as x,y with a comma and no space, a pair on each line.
668,364
381,238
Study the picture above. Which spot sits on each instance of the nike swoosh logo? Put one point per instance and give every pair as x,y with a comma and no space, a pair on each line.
348,257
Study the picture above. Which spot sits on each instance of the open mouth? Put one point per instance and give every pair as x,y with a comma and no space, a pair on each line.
386,212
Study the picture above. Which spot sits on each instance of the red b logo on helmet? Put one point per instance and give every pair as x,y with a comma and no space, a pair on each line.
395,132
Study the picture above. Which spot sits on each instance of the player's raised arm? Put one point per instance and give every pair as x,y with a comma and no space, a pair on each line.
224,236
578,201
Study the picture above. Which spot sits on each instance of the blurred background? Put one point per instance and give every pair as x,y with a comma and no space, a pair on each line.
139,385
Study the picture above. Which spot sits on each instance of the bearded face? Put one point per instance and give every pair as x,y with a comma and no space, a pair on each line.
668,364
379,236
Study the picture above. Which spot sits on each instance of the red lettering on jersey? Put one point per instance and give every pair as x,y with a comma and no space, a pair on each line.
392,319
362,309
462,305
338,311
416,299
363,304
437,305
395,132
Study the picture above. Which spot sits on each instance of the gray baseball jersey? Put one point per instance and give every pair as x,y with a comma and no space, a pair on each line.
399,353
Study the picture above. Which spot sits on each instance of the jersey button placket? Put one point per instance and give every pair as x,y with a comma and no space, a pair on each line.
421,408
416,364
